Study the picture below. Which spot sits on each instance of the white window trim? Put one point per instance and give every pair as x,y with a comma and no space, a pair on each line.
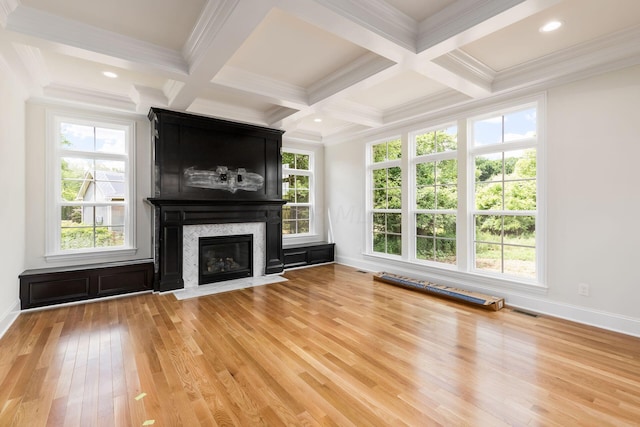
52,173
312,192
370,167
466,180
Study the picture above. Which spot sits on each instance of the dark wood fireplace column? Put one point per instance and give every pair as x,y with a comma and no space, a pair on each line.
171,215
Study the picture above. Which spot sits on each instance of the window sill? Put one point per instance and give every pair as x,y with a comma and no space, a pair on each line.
451,276
102,255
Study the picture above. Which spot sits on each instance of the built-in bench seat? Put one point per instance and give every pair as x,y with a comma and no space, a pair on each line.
48,286
299,255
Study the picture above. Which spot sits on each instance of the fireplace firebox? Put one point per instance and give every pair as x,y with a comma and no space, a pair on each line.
225,258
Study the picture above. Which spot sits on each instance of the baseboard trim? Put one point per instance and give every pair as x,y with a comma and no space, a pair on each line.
534,303
10,316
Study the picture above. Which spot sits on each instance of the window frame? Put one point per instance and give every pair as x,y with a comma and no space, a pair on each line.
310,173
465,228
54,153
371,211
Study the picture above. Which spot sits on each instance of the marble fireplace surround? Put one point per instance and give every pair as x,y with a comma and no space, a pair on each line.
190,255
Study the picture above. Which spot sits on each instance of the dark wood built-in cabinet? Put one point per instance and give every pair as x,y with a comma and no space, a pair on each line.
308,254
47,286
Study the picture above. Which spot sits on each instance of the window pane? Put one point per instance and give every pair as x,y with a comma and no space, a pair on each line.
447,172
303,226
520,195
286,212
425,173
425,143
70,189
394,150
109,236
380,242
489,196
302,161
489,228
395,177
519,125
302,196
290,196
76,137
395,198
302,181
72,214
489,167
520,261
288,160
379,152
380,199
394,244
446,251
425,224
379,178
76,238
487,131
379,222
426,198
286,227
394,223
303,212
110,140
447,196
489,257
424,248
520,230
445,226
447,139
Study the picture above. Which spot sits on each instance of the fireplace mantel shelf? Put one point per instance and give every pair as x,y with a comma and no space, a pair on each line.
162,201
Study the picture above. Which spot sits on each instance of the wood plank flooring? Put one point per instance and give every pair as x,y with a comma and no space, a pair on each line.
329,347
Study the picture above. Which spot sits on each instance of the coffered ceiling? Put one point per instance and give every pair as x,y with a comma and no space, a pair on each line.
319,69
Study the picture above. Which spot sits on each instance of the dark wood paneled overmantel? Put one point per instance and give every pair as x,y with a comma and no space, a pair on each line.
184,142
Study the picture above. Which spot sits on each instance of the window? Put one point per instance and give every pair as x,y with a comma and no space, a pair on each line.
90,183
505,192
436,194
297,190
472,201
385,174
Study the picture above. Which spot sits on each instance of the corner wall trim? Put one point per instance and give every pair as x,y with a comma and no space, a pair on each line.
10,316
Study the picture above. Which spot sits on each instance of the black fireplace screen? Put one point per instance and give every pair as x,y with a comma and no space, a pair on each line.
225,258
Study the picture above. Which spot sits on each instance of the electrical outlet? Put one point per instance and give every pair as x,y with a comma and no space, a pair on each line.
583,289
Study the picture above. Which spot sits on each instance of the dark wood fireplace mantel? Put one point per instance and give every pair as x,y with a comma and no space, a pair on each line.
172,215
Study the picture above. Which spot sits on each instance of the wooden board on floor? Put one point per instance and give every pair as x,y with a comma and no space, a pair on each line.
485,301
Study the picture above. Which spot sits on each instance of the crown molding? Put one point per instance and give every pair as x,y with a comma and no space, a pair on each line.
367,65
379,17
277,114
53,28
615,51
278,92
213,17
34,64
64,92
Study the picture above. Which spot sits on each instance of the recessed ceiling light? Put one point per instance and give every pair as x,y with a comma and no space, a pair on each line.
110,74
550,26
317,120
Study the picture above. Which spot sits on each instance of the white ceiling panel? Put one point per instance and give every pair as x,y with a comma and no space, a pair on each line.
583,20
420,10
287,49
166,23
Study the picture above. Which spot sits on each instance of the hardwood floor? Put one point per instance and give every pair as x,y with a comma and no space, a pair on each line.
329,347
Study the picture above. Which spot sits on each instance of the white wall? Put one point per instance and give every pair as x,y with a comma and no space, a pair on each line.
12,187
593,187
36,188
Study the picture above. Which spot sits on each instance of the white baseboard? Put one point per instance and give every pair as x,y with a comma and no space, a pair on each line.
530,302
8,317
